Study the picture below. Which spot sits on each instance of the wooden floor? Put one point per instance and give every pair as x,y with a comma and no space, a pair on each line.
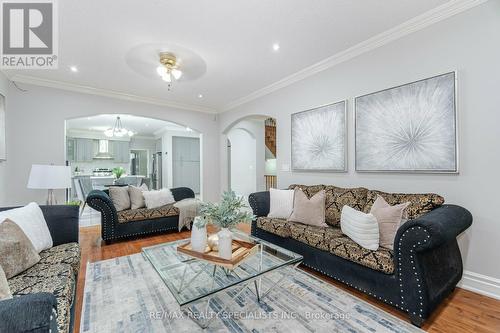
463,311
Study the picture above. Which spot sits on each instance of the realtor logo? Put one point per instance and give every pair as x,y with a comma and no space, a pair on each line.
29,34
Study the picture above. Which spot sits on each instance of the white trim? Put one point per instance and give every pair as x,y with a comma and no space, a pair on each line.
417,23
481,284
107,93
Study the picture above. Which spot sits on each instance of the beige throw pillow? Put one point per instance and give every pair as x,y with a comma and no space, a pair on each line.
309,211
389,219
17,253
120,197
4,286
136,196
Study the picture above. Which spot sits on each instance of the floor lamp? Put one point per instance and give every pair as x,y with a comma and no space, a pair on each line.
50,178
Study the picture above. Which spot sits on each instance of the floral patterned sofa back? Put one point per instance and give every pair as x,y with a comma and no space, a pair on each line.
362,199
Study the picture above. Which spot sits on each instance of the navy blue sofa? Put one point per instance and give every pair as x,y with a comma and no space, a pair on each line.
421,271
43,295
132,223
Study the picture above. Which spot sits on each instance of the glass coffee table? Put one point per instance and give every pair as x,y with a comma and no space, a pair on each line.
194,281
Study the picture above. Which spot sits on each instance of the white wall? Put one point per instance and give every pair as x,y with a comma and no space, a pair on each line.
4,90
468,43
243,161
35,134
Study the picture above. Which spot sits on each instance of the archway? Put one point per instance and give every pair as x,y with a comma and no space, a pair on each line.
158,153
251,155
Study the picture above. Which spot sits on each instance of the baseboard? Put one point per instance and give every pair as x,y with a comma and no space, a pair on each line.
481,284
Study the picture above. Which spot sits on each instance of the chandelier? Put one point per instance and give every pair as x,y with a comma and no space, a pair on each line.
118,130
169,69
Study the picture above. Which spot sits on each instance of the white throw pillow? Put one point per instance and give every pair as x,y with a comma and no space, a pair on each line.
31,221
360,227
281,205
158,198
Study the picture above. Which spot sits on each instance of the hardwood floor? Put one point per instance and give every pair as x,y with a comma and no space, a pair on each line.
463,311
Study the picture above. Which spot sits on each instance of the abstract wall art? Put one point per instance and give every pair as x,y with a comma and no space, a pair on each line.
319,139
410,128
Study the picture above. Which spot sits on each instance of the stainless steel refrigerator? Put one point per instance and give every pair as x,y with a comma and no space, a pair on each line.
156,175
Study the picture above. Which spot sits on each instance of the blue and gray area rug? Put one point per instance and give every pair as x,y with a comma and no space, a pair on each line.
126,294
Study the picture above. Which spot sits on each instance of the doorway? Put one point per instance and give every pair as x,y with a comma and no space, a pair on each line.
139,162
251,155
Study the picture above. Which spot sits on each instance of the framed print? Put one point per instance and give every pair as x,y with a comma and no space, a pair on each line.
319,138
409,128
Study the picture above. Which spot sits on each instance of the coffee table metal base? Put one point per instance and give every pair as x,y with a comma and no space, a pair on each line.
203,319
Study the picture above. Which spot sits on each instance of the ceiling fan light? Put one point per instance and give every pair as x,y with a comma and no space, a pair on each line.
161,70
176,73
167,77
109,132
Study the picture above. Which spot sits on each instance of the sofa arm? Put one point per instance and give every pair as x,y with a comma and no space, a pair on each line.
259,202
63,223
440,226
101,202
428,260
181,193
29,313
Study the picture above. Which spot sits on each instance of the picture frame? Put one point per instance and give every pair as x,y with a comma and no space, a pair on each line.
319,138
410,128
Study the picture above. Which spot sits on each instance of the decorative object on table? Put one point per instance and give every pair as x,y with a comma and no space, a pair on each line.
319,138
410,128
188,209
213,242
226,214
50,178
118,172
2,128
199,234
239,251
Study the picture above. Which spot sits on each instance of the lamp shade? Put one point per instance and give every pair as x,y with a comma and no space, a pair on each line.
49,177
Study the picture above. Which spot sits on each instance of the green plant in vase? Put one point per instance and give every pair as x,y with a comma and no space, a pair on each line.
118,172
226,214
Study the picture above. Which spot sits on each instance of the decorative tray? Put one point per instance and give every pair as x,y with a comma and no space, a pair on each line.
241,250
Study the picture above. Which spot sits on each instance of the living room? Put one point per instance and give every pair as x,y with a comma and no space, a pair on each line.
344,174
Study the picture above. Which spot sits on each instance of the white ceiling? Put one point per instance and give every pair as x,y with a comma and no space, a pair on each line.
140,125
233,37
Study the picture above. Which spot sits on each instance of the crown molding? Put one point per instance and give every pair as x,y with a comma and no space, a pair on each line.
417,23
104,92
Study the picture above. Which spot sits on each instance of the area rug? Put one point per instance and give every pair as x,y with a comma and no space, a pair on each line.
126,294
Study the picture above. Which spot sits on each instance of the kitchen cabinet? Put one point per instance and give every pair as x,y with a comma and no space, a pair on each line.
84,151
121,151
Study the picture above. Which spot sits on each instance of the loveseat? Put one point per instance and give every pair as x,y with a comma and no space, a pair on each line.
135,222
415,277
44,295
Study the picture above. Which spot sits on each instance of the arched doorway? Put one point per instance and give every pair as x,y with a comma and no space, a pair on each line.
251,155
157,153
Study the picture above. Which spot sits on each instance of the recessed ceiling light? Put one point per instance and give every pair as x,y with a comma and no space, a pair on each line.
200,96
74,69
276,47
